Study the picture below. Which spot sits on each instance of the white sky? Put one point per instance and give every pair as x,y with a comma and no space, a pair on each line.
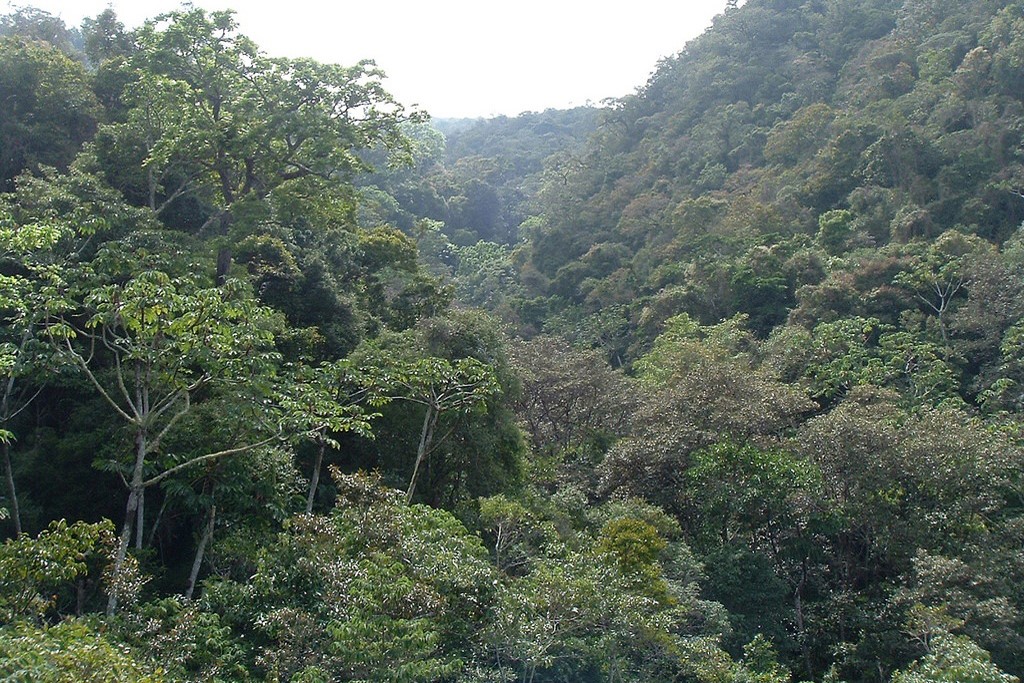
458,58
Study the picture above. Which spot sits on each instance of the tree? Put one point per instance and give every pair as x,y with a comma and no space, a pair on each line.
36,571
377,590
620,605
940,273
441,387
321,403
701,392
954,659
47,112
25,297
38,26
148,346
569,396
450,380
758,506
71,652
214,118
517,532
105,37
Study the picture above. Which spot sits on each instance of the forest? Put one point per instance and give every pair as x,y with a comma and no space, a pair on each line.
721,382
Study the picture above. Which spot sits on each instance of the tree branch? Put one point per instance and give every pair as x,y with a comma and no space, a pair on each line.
99,387
155,443
119,374
204,458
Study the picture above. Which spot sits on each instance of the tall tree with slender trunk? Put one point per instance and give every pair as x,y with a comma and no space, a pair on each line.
148,347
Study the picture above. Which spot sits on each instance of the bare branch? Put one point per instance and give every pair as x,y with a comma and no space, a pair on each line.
183,189
204,458
25,404
82,363
155,443
119,374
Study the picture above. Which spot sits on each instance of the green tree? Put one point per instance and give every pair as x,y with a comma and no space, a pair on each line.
954,659
148,346
26,295
377,590
39,26
939,275
212,117
48,110
441,387
321,403
71,652
36,571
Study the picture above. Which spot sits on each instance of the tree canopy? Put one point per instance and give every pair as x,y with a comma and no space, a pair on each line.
720,382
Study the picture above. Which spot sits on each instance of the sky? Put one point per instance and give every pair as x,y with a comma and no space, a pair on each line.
459,58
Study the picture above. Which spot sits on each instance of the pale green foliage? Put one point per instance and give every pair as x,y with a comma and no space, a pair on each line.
954,659
854,351
168,337
184,333
376,591
32,570
1007,391
740,489
518,532
941,273
69,652
966,595
29,290
685,343
760,664
189,642
215,117
622,603
458,385
318,403
485,275
572,611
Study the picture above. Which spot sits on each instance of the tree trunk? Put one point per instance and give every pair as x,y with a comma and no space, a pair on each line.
224,253
156,522
122,550
135,489
5,411
151,179
426,437
200,551
223,265
12,493
798,606
140,519
314,479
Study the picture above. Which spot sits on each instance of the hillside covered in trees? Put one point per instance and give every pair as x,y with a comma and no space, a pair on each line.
722,382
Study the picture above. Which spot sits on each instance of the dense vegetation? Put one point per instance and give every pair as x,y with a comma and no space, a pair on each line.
720,383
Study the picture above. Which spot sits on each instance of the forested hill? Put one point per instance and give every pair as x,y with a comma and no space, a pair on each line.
722,383
787,165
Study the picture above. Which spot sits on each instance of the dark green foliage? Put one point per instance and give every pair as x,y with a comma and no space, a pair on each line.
47,110
798,246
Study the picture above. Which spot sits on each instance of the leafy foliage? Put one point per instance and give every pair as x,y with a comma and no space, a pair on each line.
798,246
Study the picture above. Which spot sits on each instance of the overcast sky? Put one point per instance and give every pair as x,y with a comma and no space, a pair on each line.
459,58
